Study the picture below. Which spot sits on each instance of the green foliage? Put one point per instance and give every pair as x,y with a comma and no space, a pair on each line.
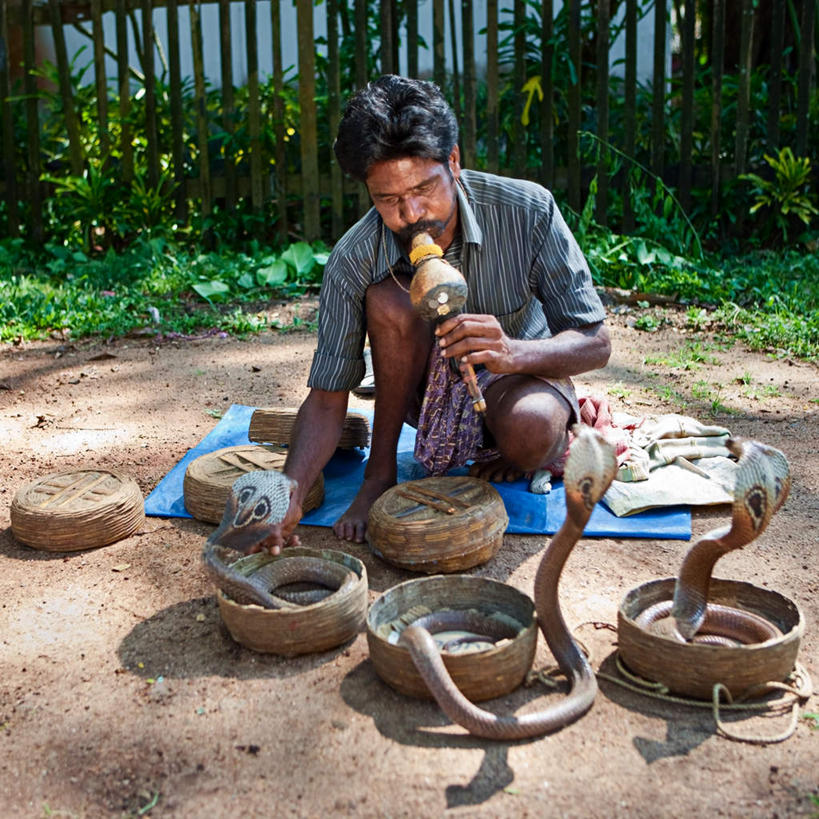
787,195
150,284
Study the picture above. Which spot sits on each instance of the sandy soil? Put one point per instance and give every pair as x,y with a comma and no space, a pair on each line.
122,694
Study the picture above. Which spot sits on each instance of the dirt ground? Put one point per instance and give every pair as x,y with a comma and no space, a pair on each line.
122,694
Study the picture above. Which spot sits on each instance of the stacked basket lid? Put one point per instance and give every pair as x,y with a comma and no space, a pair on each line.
77,509
275,426
445,524
209,477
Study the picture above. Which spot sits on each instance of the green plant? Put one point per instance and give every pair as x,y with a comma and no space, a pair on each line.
787,195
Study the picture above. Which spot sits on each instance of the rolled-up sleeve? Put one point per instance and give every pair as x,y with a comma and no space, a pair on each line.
338,363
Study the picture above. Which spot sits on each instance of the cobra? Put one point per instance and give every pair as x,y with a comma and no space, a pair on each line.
257,501
589,471
762,484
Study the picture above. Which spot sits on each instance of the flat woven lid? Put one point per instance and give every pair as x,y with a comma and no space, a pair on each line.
438,524
77,509
209,477
275,426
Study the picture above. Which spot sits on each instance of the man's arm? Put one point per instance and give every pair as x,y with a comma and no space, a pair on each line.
315,437
481,340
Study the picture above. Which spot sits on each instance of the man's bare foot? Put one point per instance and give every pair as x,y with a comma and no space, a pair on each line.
497,470
352,525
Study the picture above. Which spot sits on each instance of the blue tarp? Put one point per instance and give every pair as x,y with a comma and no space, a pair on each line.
528,513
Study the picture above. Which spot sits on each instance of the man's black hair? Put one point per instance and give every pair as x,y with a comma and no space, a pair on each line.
394,117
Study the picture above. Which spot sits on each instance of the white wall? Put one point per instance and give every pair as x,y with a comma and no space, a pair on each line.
210,26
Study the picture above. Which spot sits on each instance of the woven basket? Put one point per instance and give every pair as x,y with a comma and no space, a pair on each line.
275,426
480,676
77,509
692,669
303,630
209,477
438,524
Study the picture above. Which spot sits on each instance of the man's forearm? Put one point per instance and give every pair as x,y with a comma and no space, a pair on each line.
315,437
566,354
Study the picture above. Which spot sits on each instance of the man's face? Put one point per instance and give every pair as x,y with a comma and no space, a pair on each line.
413,194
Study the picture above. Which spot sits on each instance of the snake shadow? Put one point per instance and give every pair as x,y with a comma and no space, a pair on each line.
421,723
189,640
687,726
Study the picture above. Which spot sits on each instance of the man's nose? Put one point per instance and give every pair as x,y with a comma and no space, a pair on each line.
412,210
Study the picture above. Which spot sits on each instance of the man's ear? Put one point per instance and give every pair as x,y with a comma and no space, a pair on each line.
454,161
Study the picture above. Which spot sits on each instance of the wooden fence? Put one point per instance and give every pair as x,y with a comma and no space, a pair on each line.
706,29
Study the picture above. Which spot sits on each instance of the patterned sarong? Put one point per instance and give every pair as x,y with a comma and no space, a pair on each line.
450,431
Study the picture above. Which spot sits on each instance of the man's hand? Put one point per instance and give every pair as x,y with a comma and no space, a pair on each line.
281,534
479,339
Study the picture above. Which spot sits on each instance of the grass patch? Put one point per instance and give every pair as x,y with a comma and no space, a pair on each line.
690,356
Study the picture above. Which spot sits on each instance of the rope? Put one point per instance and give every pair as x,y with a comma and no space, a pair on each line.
797,690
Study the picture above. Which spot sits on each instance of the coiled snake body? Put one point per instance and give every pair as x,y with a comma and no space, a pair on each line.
761,487
589,471
257,501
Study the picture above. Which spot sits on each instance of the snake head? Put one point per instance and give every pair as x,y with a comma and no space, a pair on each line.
590,468
761,486
258,501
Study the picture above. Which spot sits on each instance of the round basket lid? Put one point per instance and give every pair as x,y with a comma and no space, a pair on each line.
275,426
442,524
209,477
77,509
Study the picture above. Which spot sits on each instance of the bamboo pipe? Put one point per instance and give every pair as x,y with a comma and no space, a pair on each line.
438,290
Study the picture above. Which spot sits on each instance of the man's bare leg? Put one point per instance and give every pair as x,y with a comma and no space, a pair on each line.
400,344
529,422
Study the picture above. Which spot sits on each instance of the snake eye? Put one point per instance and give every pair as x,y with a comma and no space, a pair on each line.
261,510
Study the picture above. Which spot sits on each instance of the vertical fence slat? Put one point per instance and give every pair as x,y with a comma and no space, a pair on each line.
601,203
177,124
470,83
126,149
572,141
280,154
99,75
629,111
309,133
438,64
456,79
744,87
63,72
658,90
254,114
201,108
547,82
32,122
519,135
6,117
412,38
717,62
806,70
228,104
151,136
687,104
775,73
334,116
361,76
492,114
386,50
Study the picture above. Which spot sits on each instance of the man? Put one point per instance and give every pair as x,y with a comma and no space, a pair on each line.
532,318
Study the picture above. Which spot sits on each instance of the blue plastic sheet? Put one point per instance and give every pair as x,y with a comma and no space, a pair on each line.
528,513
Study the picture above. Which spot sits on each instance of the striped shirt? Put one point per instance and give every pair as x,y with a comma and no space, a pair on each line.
519,258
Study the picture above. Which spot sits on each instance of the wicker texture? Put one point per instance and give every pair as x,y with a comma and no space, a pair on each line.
209,477
303,630
692,669
433,525
275,426
480,676
77,509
